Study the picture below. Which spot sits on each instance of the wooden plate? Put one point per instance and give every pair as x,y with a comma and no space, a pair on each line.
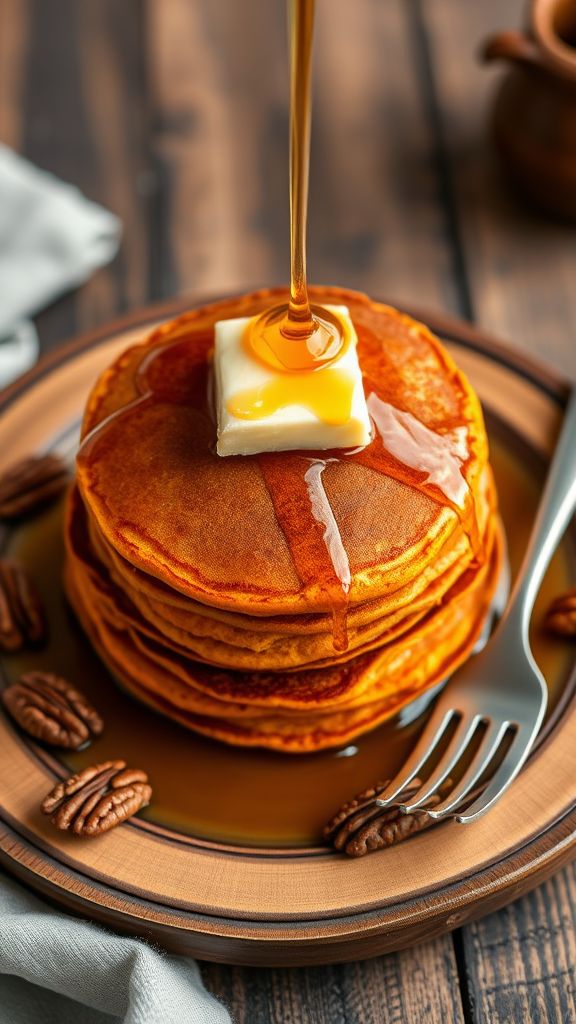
195,885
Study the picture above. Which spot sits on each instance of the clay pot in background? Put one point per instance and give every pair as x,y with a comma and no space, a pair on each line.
534,115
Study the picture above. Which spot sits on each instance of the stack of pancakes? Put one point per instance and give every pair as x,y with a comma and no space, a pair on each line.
204,582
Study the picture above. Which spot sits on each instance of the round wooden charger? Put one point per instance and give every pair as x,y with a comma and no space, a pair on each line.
279,906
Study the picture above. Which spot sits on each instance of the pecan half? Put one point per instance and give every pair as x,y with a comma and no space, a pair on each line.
98,798
22,619
361,826
31,483
561,615
52,710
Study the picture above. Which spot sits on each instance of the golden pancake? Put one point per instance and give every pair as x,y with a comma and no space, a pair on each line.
299,712
289,689
209,584
241,649
165,501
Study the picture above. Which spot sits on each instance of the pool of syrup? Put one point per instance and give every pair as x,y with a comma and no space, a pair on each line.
206,789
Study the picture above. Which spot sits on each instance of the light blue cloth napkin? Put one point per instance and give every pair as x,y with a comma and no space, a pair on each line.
51,239
55,969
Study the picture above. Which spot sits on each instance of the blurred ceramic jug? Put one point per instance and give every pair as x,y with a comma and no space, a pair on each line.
534,115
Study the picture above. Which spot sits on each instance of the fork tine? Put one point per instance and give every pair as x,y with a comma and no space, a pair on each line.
456,748
484,754
506,773
428,742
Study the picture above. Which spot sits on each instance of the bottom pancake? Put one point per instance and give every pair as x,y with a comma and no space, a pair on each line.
288,712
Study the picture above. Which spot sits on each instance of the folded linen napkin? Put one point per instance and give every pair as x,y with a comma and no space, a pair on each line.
55,969
51,239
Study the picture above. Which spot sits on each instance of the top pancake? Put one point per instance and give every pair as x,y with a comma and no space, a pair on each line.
235,533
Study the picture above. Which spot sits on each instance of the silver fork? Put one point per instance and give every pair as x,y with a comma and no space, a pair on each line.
501,689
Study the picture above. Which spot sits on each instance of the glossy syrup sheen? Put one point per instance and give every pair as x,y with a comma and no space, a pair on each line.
178,373
327,391
330,400
206,789
288,350
298,336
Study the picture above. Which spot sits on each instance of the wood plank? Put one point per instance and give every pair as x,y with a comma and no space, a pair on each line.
13,36
402,988
376,222
521,266
521,962
218,77
221,117
72,101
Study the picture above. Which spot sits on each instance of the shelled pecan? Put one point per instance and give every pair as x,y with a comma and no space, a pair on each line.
22,620
561,615
361,826
30,483
50,709
97,798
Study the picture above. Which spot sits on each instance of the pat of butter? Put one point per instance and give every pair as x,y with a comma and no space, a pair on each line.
291,427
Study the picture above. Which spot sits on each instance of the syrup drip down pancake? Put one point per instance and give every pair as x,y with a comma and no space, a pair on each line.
290,600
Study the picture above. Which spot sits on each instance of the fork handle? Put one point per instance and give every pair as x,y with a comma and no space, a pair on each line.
556,507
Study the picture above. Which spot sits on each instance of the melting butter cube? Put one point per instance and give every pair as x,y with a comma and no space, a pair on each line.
261,409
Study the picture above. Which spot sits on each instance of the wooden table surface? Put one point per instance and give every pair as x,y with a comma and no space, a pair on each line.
173,114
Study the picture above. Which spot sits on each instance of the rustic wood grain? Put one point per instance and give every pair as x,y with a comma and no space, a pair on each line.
72,100
402,988
521,962
375,218
14,20
520,265
218,80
